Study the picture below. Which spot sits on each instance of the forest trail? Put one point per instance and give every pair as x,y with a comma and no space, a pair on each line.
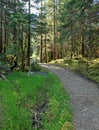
84,97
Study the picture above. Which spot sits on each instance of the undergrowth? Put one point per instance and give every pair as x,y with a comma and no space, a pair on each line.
91,71
22,92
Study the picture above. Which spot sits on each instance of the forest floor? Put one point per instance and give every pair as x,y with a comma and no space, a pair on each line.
80,67
84,96
34,101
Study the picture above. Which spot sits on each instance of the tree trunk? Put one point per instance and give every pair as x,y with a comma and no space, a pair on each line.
1,27
72,42
54,46
23,55
15,30
41,47
45,49
41,52
82,41
29,36
61,50
5,36
22,49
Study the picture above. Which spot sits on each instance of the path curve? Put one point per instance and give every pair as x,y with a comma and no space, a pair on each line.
84,97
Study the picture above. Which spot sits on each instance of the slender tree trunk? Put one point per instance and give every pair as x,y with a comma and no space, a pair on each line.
54,48
45,49
82,41
41,52
1,27
15,30
29,36
5,35
23,54
41,49
61,50
83,46
72,49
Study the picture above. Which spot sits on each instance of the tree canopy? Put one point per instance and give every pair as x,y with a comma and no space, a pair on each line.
59,29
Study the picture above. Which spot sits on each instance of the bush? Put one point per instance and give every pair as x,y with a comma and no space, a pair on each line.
27,68
69,61
35,66
4,66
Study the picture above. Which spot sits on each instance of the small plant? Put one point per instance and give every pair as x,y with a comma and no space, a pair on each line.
67,126
35,66
27,68
4,67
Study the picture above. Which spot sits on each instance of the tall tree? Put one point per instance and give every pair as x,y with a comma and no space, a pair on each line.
1,7
29,34
41,46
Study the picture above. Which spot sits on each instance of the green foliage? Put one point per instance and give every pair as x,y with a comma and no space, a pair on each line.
66,27
21,95
12,49
67,126
76,23
35,66
69,61
4,66
59,111
27,68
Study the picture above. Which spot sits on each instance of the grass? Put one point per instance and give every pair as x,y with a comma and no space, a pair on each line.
23,93
80,67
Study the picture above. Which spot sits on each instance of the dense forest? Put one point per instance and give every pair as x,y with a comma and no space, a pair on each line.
42,43
47,30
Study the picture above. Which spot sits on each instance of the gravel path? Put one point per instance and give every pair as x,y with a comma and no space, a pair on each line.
84,98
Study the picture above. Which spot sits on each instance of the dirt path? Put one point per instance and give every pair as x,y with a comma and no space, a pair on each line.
84,98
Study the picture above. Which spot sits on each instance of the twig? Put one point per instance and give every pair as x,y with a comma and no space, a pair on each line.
3,77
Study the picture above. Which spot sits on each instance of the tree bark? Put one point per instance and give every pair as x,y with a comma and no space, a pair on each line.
1,27
29,36
54,46
82,41
41,49
45,49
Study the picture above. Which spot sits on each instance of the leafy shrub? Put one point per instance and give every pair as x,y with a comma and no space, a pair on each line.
27,68
69,61
67,126
4,66
35,66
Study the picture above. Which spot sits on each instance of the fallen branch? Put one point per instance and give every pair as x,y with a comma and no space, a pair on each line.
3,77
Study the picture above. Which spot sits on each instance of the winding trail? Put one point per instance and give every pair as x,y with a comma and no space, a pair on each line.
84,97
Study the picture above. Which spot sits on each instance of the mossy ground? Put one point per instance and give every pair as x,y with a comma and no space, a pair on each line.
92,72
